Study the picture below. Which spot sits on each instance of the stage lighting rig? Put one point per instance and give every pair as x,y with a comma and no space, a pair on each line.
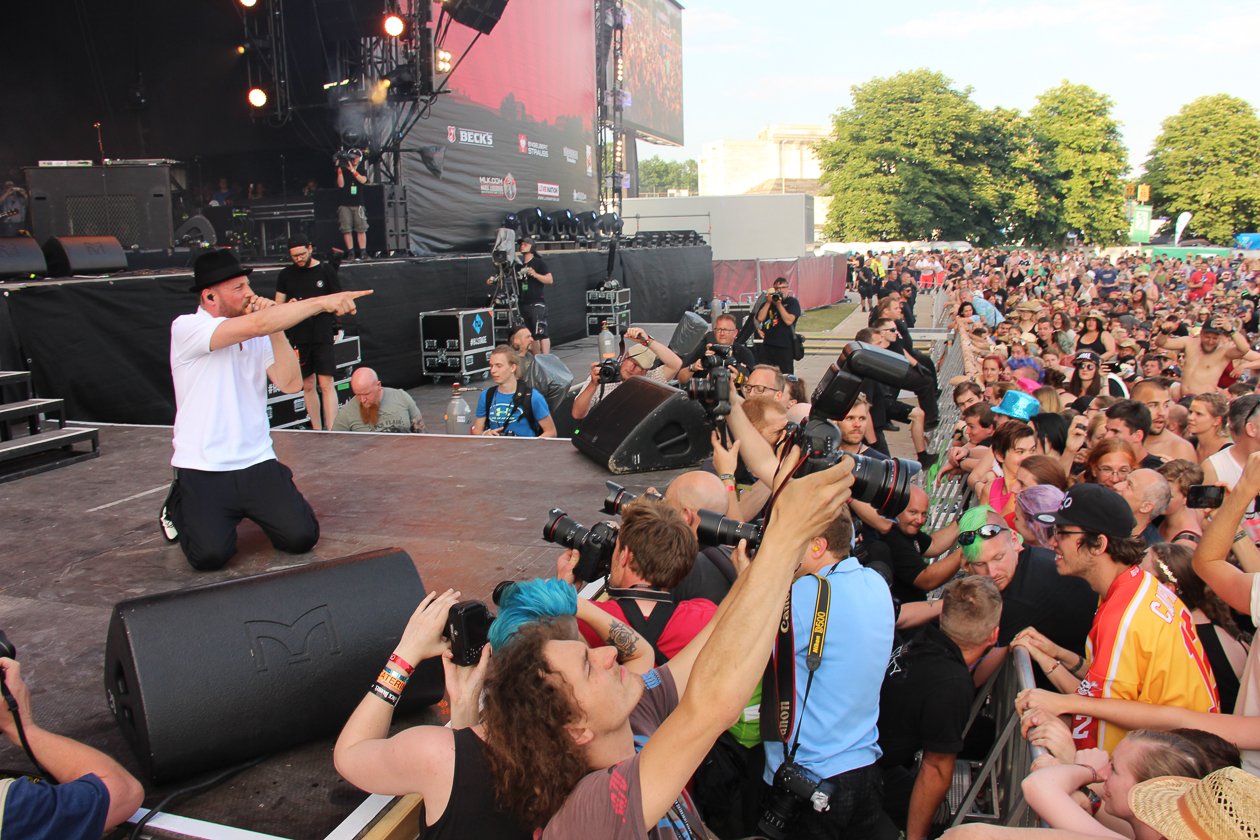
257,97
394,25
249,4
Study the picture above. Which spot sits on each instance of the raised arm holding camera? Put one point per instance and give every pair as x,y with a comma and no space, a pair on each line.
639,359
445,765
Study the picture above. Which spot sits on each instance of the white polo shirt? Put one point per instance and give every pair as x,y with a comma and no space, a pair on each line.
220,397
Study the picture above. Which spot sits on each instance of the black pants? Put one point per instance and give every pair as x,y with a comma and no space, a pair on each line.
856,812
780,357
207,506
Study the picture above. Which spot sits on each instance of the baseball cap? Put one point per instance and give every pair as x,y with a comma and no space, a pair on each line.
644,357
1087,356
1093,508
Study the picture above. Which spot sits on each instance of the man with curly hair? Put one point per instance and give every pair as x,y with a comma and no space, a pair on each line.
582,748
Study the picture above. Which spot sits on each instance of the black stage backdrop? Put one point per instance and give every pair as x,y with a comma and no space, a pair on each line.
104,345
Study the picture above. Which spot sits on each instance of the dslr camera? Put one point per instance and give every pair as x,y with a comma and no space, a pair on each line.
792,787
345,158
610,371
618,497
713,391
468,627
884,484
716,529
594,545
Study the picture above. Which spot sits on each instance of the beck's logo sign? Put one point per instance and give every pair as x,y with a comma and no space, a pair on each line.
469,136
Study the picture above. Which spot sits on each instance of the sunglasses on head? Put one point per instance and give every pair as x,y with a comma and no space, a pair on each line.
984,532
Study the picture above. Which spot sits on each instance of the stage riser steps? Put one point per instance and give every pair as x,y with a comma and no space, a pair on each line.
30,411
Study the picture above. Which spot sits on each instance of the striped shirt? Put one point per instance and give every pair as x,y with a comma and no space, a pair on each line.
1142,646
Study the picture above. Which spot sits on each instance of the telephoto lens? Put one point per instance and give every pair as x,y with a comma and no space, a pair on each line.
716,529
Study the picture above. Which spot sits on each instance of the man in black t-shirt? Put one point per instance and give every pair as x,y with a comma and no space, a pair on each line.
775,319
351,217
1034,594
532,276
908,548
308,277
926,699
725,330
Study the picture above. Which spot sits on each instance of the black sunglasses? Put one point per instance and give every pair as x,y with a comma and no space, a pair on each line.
984,532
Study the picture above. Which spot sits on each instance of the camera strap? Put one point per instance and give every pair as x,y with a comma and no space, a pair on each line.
650,627
778,689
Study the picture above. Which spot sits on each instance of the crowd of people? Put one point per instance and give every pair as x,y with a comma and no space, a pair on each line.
1108,533
811,673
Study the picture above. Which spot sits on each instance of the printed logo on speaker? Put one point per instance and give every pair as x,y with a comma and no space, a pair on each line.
469,136
548,192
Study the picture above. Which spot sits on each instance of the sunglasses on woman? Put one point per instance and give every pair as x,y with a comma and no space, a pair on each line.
984,532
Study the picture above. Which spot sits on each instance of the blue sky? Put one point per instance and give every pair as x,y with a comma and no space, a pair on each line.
748,64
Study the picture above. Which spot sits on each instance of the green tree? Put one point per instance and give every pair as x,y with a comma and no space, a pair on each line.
657,175
910,160
1207,160
1087,158
1028,209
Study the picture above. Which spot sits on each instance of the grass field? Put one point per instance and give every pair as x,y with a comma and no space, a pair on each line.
822,320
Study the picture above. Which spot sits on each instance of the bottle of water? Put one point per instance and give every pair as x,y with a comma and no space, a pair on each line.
458,415
715,309
607,343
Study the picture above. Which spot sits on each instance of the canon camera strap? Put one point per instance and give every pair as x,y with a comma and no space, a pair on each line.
653,625
778,690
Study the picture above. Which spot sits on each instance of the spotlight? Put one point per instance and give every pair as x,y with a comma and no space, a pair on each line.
241,49
394,26
249,4
611,223
257,97
532,221
587,222
443,63
399,83
562,223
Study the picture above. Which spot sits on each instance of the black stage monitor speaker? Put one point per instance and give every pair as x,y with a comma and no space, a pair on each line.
481,15
643,426
69,255
21,256
211,676
196,229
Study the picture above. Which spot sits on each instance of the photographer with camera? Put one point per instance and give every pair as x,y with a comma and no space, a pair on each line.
351,216
654,552
531,276
719,342
85,792
639,359
822,746
562,720
775,320
511,408
446,765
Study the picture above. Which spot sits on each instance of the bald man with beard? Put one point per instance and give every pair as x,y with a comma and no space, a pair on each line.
713,572
376,408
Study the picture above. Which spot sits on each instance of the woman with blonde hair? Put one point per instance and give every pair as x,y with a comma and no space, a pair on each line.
1206,420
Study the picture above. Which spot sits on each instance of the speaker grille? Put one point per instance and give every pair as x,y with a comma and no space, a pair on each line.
104,215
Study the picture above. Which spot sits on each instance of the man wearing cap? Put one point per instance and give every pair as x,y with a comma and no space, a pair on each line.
1205,359
312,339
1142,644
642,353
222,357
532,276
351,217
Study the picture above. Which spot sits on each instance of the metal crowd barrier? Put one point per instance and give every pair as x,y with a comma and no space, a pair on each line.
988,791
992,791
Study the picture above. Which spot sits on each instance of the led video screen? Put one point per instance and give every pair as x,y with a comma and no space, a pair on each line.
652,46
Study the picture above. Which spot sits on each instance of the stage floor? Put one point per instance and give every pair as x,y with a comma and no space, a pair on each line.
469,511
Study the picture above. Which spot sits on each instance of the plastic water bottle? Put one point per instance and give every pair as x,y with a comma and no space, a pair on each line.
458,415
607,343
715,309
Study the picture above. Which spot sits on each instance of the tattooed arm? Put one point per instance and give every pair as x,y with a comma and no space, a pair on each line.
633,650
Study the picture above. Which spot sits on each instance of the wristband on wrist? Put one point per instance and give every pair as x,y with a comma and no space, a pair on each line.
1057,666
1240,536
726,477
384,693
388,681
1093,774
402,663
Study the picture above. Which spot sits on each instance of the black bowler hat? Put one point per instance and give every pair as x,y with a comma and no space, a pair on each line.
214,267
1094,508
